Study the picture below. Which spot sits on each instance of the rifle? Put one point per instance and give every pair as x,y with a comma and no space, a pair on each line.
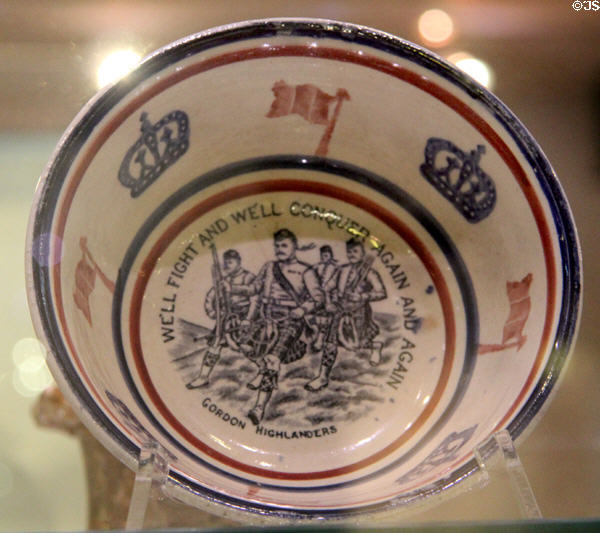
221,301
363,270
348,334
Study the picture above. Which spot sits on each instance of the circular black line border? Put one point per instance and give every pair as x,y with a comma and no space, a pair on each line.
343,170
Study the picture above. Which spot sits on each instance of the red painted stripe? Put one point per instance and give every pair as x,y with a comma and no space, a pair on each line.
372,62
299,186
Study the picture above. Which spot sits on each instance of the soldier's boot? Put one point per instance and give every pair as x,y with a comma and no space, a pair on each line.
322,380
203,377
375,356
268,383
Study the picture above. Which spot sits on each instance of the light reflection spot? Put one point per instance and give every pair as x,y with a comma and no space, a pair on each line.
479,70
116,65
27,349
436,26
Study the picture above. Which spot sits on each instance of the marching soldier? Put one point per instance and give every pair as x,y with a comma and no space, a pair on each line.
326,269
327,266
349,295
237,306
235,274
288,290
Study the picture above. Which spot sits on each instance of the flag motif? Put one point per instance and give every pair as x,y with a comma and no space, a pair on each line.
311,103
308,101
520,306
85,280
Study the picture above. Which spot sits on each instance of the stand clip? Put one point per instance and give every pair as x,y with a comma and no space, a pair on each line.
152,472
497,457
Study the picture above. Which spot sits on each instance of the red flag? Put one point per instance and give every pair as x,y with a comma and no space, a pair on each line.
308,101
520,306
312,104
85,279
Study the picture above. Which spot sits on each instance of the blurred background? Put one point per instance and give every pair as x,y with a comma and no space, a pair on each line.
541,57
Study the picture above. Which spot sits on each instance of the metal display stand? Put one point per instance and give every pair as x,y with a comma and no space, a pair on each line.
497,457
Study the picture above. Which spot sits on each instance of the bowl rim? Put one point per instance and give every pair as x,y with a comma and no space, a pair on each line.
76,135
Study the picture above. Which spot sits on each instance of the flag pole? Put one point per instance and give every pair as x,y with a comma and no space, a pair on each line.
107,282
341,95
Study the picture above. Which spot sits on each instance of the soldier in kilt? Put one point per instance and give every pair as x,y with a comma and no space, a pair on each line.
326,269
287,291
238,306
348,299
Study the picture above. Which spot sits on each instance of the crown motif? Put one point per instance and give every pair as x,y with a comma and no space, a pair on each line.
157,148
458,176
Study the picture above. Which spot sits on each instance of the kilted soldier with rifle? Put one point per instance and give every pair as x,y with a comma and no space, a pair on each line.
349,294
288,291
326,269
226,309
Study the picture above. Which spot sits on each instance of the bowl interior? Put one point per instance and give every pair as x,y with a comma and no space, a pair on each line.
310,262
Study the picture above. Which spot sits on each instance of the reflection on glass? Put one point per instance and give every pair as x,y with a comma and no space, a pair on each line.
476,68
436,27
30,375
116,65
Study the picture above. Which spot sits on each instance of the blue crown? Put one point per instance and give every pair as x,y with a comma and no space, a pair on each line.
458,176
157,148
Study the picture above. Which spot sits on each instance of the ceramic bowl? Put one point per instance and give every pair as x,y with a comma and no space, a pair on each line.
310,263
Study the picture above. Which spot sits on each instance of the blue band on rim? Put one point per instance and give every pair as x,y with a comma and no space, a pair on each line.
340,169
74,141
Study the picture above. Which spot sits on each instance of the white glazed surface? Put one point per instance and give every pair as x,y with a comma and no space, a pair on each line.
471,308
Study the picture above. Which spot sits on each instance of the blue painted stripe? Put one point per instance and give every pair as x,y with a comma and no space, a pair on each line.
351,173
75,140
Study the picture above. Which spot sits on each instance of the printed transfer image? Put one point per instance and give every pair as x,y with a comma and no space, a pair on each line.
303,270
289,310
288,315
